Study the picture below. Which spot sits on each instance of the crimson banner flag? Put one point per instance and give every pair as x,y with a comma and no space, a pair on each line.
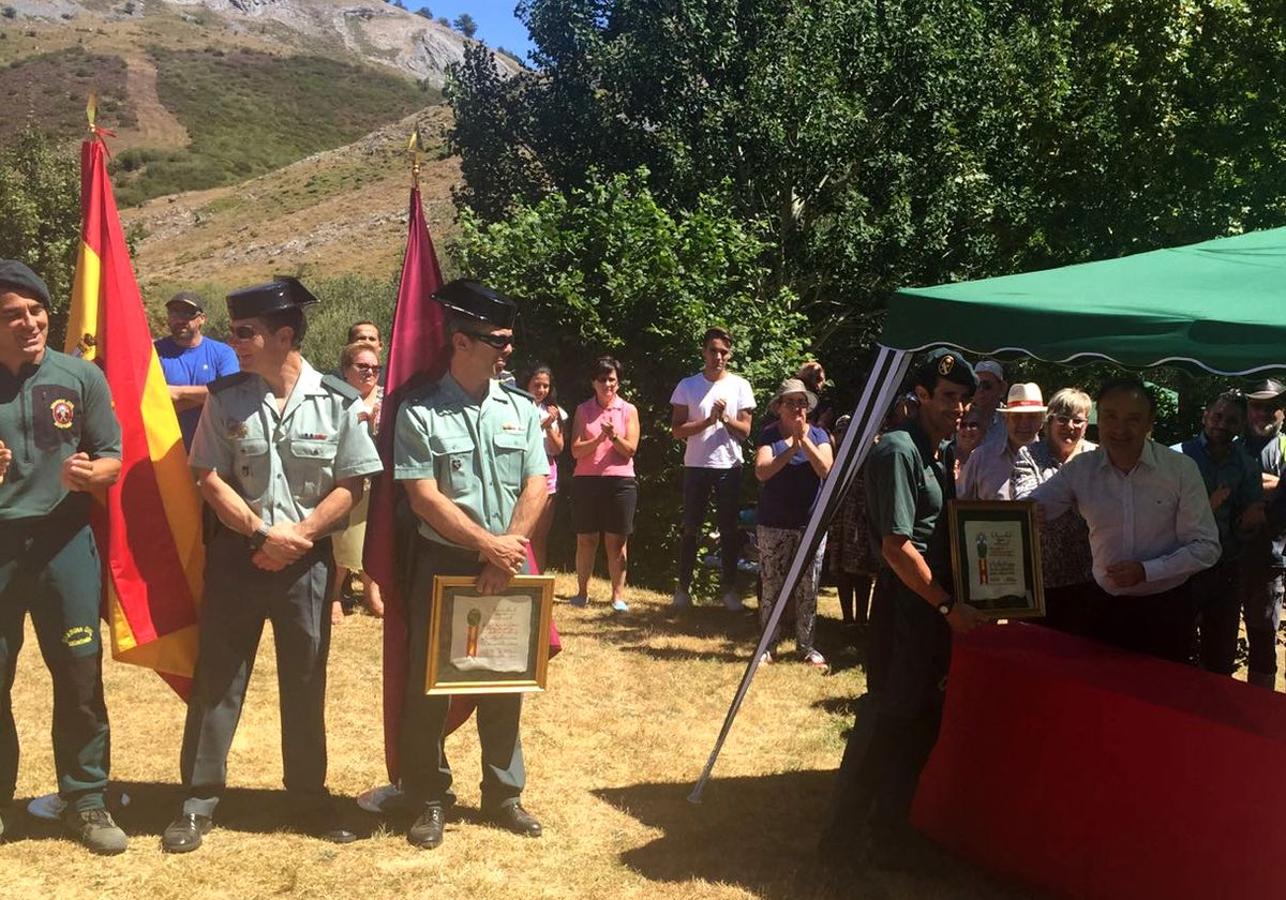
148,524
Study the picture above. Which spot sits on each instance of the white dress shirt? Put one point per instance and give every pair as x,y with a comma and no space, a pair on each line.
986,473
1158,514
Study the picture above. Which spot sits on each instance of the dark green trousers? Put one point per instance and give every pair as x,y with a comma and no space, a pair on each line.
50,568
426,774
239,596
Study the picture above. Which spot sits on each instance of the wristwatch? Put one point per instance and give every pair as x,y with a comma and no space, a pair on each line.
945,607
259,537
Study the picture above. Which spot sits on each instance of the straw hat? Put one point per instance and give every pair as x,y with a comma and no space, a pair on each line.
793,386
1024,398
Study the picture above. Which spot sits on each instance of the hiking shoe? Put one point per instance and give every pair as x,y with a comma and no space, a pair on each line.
733,601
681,599
766,658
95,829
426,833
619,605
579,600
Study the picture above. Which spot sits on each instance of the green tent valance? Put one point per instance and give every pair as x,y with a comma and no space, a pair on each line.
1219,305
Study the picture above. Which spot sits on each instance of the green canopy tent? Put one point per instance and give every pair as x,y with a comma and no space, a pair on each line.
1219,306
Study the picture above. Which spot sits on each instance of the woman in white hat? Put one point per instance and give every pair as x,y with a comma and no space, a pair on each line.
792,459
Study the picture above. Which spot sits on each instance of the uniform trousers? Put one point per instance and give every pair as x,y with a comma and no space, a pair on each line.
898,719
50,567
239,597
426,774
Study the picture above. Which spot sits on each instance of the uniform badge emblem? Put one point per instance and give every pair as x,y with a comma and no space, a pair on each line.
946,365
457,464
63,412
237,430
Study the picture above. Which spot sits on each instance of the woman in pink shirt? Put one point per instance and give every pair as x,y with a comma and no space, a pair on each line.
605,436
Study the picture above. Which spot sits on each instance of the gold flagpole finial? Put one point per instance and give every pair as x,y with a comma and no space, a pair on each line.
413,147
91,109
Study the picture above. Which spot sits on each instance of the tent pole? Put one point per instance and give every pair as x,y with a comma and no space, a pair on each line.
881,388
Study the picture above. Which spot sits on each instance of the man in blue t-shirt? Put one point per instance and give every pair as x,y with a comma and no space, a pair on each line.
191,360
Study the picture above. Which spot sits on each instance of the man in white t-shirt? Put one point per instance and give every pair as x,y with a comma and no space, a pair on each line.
711,411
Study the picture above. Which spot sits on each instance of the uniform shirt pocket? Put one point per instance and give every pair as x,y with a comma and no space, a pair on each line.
310,468
56,413
509,447
453,464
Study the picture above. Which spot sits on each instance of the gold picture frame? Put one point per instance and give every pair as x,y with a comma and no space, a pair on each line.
493,644
995,557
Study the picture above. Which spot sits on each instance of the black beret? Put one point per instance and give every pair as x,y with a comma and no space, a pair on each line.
475,300
282,293
948,364
21,280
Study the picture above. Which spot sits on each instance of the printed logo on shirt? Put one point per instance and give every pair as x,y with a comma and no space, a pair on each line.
63,411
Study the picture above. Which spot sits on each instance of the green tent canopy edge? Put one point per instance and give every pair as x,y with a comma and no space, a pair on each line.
1217,305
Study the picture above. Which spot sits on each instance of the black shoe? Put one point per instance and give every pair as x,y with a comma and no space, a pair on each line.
426,833
335,830
512,817
184,834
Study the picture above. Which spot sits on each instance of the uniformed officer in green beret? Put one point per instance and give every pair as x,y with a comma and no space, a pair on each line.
279,455
58,442
469,451
908,480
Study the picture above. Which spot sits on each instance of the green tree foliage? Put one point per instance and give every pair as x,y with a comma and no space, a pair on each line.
40,225
425,11
465,24
605,268
887,142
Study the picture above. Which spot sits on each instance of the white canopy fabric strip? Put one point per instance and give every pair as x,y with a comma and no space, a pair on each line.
881,389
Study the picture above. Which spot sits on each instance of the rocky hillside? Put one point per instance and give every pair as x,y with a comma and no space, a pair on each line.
371,31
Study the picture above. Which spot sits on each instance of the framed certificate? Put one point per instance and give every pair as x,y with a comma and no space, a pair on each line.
995,557
489,644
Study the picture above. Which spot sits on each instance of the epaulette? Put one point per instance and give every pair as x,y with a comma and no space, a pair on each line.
337,385
514,389
227,381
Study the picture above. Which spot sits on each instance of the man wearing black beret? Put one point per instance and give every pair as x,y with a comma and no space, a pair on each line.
908,480
58,442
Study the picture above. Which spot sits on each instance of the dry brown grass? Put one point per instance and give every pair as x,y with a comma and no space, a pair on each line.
612,749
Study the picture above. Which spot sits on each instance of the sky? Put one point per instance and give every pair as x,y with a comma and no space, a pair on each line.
496,23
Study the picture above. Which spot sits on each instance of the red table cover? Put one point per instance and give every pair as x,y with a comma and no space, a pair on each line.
1091,772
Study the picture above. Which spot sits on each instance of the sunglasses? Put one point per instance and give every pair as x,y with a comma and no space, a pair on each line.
244,332
366,368
499,341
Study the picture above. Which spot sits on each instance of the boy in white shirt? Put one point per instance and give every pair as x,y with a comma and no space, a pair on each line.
711,411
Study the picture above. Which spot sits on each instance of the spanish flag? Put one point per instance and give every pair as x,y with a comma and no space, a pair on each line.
148,526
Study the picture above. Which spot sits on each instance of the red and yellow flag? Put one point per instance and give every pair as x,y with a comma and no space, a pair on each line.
149,527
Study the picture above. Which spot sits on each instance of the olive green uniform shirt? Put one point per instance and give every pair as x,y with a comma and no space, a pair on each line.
906,490
283,464
480,454
49,412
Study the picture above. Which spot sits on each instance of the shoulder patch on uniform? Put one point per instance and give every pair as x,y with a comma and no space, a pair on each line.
227,381
514,389
337,385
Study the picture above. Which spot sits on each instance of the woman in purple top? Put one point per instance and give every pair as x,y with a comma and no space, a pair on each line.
792,459
540,384
605,436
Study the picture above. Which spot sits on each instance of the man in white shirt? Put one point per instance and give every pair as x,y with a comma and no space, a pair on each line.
986,474
1150,524
711,412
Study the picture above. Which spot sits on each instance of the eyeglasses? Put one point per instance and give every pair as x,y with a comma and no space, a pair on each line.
366,368
795,402
1071,421
499,341
970,425
244,332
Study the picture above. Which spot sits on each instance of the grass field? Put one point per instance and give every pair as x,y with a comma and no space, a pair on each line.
612,749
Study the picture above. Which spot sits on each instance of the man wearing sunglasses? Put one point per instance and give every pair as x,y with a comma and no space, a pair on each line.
470,453
190,360
280,454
